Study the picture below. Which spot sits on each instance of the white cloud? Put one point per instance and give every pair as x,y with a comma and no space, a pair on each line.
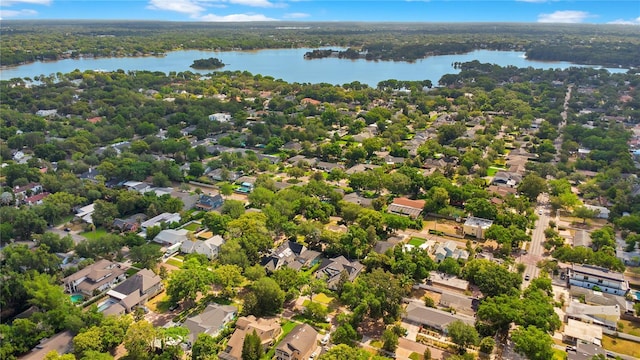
182,6
235,18
625,22
5,14
32,2
295,15
564,16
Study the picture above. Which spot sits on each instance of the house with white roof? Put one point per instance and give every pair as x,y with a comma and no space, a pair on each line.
475,226
171,236
221,117
164,218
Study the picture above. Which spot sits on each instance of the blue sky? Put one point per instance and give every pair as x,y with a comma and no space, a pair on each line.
554,11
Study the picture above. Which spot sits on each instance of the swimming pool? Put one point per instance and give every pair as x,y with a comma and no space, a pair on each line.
105,305
76,298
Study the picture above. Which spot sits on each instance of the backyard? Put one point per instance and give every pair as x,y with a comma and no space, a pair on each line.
621,346
95,234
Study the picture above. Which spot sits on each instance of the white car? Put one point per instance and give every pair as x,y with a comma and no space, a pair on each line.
540,212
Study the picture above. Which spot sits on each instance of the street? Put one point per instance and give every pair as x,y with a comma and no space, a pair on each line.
536,249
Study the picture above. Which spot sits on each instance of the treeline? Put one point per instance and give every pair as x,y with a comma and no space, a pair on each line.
26,41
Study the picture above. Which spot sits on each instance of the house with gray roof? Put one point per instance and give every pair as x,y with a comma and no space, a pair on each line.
436,319
292,255
135,291
171,236
298,344
209,247
96,277
211,321
331,270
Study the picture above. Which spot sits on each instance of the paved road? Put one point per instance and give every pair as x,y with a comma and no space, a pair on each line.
536,250
558,141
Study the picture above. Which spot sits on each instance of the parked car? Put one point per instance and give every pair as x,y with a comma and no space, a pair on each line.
173,307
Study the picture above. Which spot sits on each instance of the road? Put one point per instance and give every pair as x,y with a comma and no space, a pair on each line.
536,249
557,143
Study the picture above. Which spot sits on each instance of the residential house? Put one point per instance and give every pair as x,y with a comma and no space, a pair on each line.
209,247
221,117
602,315
267,329
506,178
582,238
132,223
418,314
211,321
138,186
460,303
36,199
327,166
299,344
590,277
90,175
208,202
96,277
354,198
360,168
158,220
445,250
475,226
222,174
332,269
592,297
46,113
23,192
575,331
603,212
171,236
405,206
292,255
446,281
189,201
135,291
295,160
85,213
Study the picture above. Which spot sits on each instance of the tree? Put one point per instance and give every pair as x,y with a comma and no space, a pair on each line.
148,255
252,347
462,335
389,340
233,208
261,196
487,344
269,297
104,213
429,302
481,208
226,189
228,277
196,169
532,342
316,311
139,340
345,352
187,283
344,334
161,180
204,347
89,340
56,243
585,213
532,185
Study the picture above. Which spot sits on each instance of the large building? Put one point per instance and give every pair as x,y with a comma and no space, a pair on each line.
593,277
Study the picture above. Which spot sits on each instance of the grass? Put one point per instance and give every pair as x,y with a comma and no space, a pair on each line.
492,170
131,271
559,355
192,227
376,344
159,304
621,346
415,356
323,299
93,235
175,263
629,327
416,241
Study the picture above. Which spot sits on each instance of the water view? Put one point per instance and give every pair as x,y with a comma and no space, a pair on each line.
289,65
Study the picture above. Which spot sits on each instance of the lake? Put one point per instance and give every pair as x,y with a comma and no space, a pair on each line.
290,65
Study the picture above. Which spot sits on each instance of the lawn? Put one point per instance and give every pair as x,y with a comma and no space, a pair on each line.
628,327
93,235
621,346
323,299
175,263
492,170
192,227
559,355
416,241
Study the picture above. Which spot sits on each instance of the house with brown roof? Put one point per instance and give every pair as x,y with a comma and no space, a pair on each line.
405,206
96,277
135,291
298,344
267,329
